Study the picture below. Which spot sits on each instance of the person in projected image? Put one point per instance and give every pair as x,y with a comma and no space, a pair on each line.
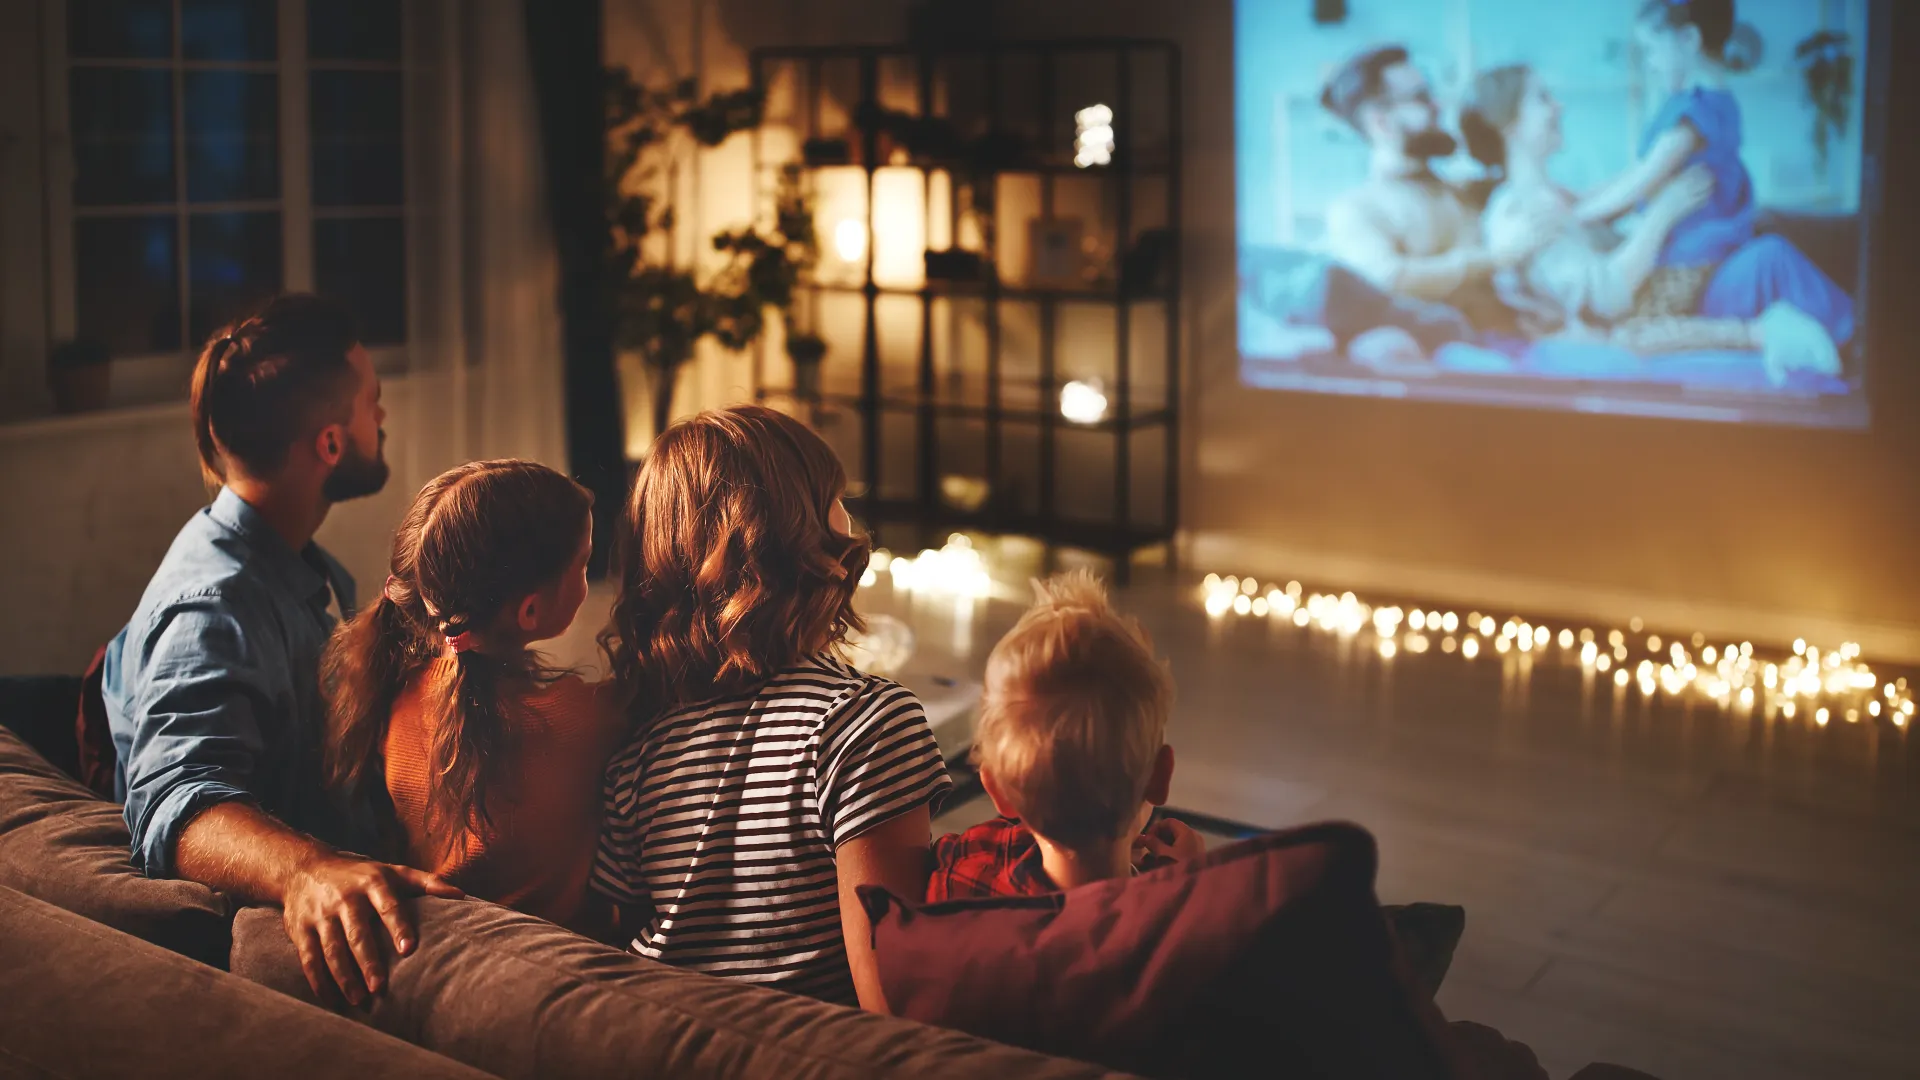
1594,281
1713,263
1405,229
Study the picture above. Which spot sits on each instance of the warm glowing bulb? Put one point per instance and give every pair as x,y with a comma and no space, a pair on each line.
1300,617
1448,644
1242,605
1602,662
1566,639
1653,643
1259,606
1634,624
1616,639
850,240
1746,695
1541,635
1709,655
1820,717
1470,648
1799,646
1486,625
1450,622
1873,708
1083,402
1619,677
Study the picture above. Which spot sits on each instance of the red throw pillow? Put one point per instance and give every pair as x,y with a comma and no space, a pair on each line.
1270,954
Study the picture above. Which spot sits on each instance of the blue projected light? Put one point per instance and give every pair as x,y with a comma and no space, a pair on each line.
1601,207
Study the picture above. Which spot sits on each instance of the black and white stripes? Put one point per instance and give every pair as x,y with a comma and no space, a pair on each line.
723,817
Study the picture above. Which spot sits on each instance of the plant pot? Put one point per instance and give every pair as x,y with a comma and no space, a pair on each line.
80,388
806,352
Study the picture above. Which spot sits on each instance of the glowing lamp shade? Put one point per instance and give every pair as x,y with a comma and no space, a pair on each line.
897,243
1083,402
850,240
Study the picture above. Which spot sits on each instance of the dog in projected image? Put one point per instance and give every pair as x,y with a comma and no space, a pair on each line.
1649,276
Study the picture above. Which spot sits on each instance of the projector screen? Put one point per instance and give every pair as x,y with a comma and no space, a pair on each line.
1614,206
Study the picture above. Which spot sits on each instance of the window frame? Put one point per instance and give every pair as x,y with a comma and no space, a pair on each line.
157,377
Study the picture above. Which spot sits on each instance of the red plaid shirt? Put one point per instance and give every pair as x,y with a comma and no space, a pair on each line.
994,858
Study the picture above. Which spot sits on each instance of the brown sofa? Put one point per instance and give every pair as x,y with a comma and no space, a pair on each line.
110,964
104,972
84,1000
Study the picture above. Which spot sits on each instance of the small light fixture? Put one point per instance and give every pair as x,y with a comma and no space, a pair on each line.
1083,402
850,240
1093,136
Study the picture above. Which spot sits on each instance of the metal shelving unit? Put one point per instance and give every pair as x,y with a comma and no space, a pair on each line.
1012,401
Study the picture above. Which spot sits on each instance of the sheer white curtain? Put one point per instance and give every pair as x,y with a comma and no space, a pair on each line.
484,365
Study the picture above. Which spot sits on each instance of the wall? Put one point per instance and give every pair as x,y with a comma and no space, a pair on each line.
93,502
1756,532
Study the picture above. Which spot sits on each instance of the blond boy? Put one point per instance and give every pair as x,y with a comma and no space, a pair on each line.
1072,750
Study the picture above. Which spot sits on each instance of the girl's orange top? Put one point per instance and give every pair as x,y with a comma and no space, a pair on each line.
538,852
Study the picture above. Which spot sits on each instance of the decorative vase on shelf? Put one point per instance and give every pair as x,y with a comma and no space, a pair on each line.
806,351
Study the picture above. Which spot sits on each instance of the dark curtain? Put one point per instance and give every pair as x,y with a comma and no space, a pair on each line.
564,43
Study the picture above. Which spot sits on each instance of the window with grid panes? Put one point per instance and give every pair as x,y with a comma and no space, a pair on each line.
181,118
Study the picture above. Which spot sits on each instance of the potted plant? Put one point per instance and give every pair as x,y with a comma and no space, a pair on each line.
1826,72
80,375
806,351
662,309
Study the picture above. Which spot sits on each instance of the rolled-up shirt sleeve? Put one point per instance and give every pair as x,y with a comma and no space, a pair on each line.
195,722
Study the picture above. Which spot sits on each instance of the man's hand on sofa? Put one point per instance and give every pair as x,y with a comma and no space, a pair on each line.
344,913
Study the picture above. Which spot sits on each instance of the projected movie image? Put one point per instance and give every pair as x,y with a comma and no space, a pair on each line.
1651,207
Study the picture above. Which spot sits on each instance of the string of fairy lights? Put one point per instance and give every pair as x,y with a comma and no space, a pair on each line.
1822,685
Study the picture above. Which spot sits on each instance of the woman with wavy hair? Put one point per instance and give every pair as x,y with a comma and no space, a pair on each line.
766,779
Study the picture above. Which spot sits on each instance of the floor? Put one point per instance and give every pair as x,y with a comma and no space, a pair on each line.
1649,880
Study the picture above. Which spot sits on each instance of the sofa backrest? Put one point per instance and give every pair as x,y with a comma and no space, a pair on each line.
522,998
85,1000
62,844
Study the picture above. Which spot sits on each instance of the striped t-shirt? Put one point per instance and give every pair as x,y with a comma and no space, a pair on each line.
723,817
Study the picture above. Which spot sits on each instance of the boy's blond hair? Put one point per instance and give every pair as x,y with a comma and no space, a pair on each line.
1074,714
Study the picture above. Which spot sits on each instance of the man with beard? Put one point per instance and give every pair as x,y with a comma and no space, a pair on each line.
1404,229
212,690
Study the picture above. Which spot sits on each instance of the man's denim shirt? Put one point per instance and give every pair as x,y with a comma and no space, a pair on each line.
213,691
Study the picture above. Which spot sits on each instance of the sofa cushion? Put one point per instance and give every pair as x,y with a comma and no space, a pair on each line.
62,844
1272,950
84,1000
523,998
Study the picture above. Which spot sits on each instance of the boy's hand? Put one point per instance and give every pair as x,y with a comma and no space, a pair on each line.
1168,840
